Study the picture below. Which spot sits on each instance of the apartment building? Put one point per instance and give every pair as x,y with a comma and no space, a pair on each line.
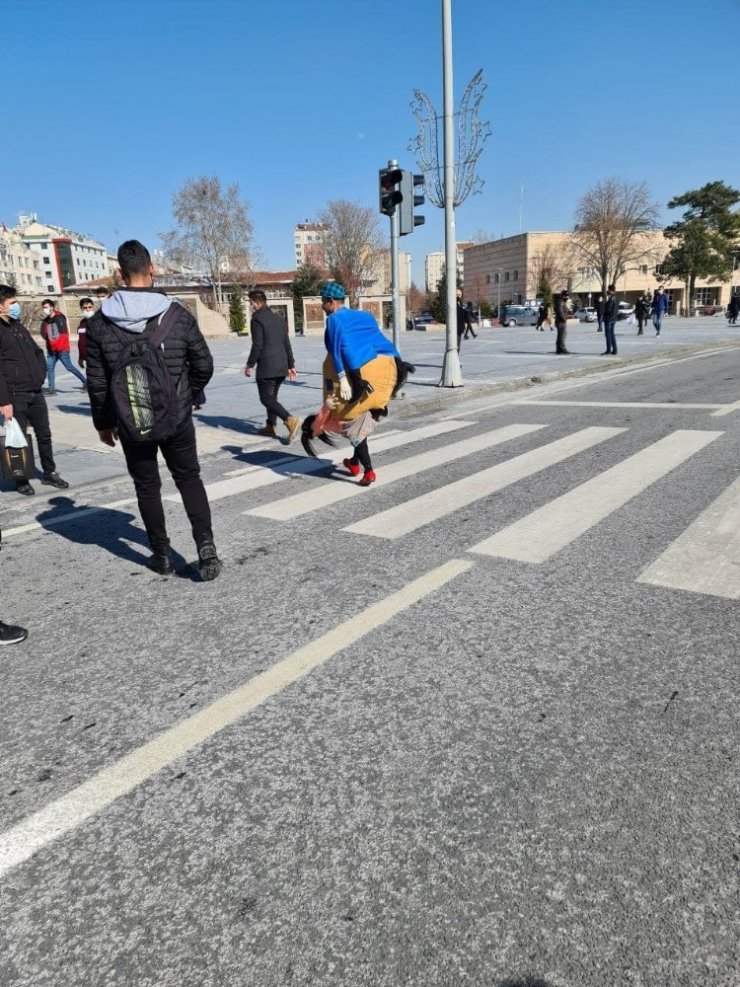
65,256
308,243
434,266
19,265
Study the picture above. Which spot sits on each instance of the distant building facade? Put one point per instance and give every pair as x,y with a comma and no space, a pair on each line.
19,265
65,257
308,243
434,266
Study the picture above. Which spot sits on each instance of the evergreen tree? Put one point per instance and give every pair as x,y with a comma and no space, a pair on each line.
237,318
704,238
544,289
307,282
438,300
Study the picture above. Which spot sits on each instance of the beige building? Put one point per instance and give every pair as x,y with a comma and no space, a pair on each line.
308,244
19,265
434,266
65,257
508,270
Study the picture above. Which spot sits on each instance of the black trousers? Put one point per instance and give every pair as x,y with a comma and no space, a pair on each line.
29,408
181,456
361,455
560,341
268,388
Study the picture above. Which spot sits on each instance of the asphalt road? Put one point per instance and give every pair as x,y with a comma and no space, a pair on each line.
476,724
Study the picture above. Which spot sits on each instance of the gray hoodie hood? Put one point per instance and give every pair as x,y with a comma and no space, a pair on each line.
131,310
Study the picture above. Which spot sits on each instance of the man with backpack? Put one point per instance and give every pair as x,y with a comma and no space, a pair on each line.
146,359
55,333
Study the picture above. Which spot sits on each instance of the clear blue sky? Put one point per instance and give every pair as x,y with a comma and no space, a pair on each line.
119,101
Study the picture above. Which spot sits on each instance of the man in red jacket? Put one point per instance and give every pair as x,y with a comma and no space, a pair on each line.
56,336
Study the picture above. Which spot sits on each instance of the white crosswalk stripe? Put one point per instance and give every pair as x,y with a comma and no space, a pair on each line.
330,492
547,530
282,469
398,521
705,558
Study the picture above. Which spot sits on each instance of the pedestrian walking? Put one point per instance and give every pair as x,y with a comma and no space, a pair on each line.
599,306
272,355
55,333
611,314
141,337
659,308
562,311
464,321
87,307
734,308
469,320
22,373
362,373
642,311
543,316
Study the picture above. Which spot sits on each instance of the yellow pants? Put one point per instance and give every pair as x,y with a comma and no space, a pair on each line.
380,373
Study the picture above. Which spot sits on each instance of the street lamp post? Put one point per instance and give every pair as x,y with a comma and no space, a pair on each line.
498,294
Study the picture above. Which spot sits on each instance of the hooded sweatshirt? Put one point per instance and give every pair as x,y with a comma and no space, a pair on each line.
131,310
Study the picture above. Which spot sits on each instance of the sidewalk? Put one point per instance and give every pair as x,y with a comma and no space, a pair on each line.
500,359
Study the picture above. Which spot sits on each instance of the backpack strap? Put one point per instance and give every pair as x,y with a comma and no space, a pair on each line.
167,321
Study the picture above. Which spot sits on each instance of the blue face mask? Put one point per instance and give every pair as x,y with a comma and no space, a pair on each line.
15,310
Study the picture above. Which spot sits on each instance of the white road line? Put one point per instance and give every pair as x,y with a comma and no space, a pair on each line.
706,557
726,409
621,404
400,520
299,466
541,534
90,798
52,522
330,492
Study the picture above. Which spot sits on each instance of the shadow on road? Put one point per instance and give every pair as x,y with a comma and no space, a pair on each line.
107,528
75,409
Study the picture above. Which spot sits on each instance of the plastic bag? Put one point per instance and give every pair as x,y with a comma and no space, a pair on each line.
14,437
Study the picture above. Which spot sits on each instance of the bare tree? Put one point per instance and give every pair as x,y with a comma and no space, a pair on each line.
214,229
553,267
612,230
353,243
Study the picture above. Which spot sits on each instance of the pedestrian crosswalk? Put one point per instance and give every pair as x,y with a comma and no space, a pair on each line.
703,558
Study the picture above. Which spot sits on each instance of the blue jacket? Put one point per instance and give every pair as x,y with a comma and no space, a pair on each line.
353,338
659,304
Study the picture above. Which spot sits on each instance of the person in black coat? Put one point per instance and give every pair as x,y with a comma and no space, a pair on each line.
137,310
22,373
464,320
272,354
562,312
611,314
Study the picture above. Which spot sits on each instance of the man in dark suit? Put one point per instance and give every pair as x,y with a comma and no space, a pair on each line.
611,314
272,354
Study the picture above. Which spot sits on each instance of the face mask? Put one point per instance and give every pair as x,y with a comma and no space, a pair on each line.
86,314
46,311
15,310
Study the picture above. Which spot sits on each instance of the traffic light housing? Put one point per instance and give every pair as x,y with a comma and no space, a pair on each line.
409,202
389,189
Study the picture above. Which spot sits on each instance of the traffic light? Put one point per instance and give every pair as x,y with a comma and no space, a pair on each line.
409,202
390,192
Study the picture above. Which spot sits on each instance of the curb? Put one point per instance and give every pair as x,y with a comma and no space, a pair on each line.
457,395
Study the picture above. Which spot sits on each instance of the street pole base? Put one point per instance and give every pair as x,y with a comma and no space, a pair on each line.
451,371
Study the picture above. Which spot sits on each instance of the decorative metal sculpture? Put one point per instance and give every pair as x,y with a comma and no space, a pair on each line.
471,135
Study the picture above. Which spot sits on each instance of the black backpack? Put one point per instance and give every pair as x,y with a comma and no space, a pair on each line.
142,389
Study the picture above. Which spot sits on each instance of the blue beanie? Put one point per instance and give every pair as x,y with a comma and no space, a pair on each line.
333,289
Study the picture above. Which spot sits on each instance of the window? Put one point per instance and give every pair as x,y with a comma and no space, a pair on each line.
46,260
507,276
498,278
48,274
643,269
516,276
704,296
50,287
488,278
44,246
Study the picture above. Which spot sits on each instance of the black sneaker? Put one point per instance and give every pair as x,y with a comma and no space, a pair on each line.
161,563
50,390
12,635
210,564
25,488
54,480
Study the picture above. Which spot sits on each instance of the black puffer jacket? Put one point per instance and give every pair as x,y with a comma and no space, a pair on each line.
22,361
186,353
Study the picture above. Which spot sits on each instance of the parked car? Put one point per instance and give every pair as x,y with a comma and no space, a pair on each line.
625,310
709,310
518,315
420,321
585,314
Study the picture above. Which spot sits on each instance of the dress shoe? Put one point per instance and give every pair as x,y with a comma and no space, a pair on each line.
209,562
161,562
54,480
9,634
268,430
25,488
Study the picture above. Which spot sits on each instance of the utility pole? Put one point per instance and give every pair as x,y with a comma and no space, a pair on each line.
451,372
395,293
